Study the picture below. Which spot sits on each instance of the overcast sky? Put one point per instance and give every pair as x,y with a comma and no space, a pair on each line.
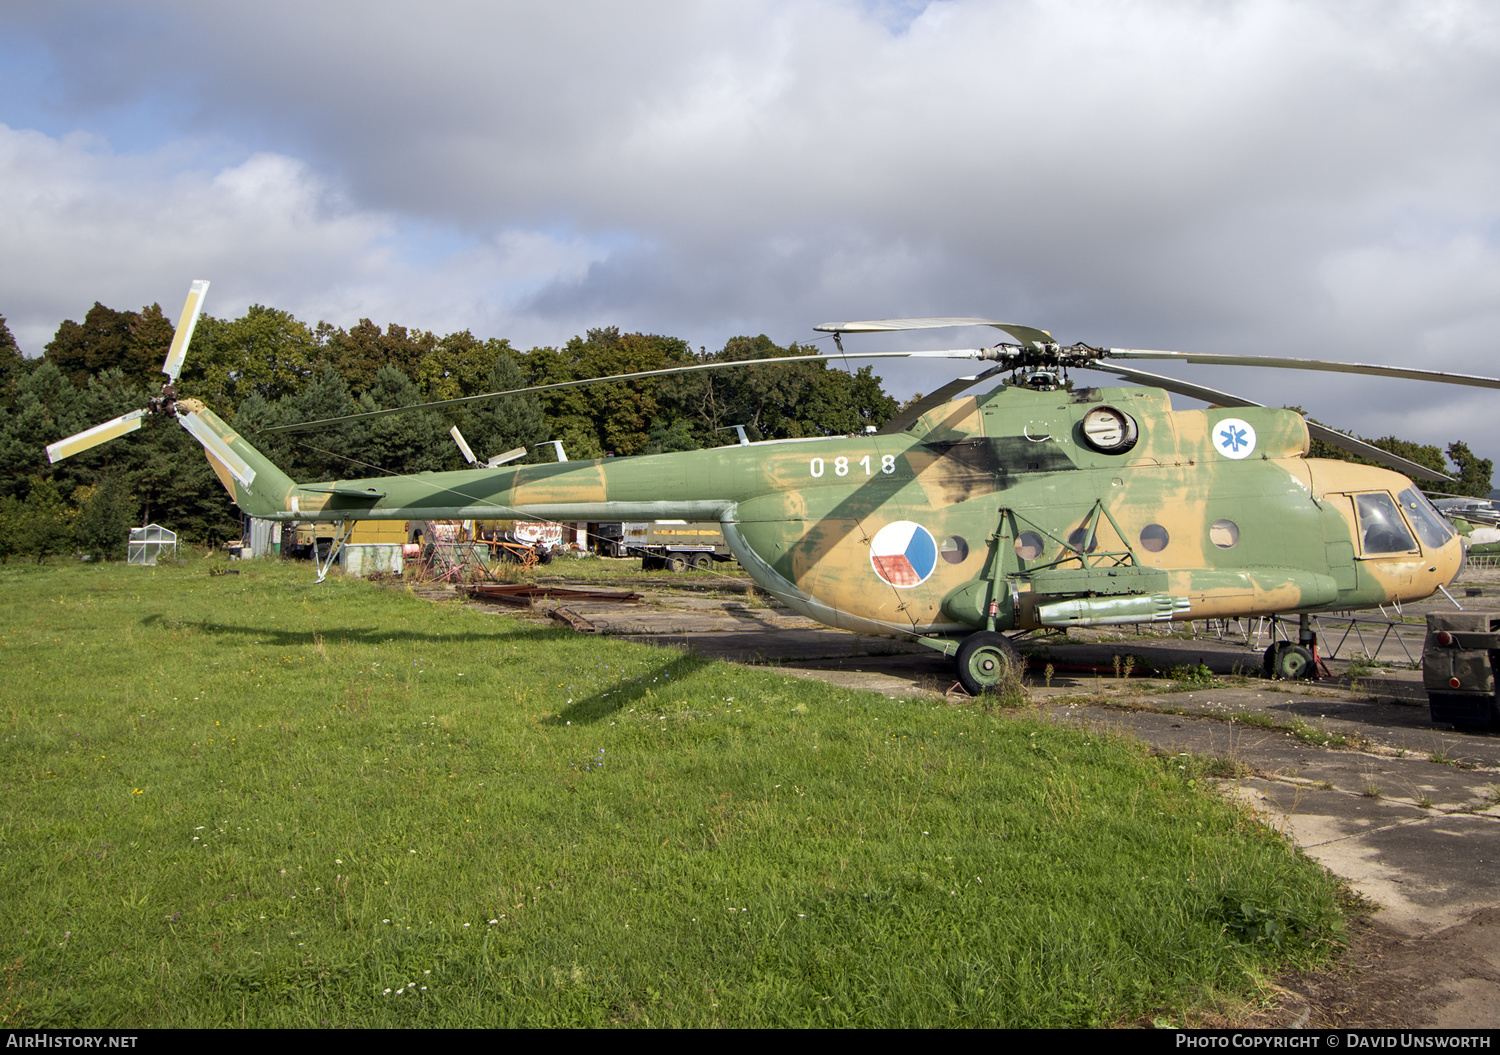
1291,178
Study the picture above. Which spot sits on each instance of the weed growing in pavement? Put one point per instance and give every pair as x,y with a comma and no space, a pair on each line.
1010,693
1307,733
1193,676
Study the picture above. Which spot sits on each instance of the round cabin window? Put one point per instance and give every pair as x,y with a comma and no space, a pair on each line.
1154,538
1029,545
1224,533
954,550
1077,538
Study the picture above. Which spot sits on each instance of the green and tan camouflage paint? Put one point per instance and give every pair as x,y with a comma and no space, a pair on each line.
801,515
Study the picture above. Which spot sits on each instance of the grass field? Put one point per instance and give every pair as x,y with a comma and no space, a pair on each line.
246,799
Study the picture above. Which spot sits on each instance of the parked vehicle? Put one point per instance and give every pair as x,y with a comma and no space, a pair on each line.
1458,667
676,544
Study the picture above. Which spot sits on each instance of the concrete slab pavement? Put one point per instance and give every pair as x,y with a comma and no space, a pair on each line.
1351,769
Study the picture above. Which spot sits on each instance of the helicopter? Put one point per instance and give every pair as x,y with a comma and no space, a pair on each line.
1033,505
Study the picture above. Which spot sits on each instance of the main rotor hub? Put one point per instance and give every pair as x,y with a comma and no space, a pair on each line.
163,402
1043,367
1042,380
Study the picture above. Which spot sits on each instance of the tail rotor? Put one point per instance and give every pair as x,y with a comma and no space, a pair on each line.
166,402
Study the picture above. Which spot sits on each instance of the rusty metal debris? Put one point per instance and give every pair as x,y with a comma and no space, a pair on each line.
522,594
456,562
574,620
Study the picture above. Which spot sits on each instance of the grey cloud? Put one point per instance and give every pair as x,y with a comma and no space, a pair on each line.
1301,178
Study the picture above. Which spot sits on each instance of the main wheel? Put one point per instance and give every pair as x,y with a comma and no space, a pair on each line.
1292,663
984,660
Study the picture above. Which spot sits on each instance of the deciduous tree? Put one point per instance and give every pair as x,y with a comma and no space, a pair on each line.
265,351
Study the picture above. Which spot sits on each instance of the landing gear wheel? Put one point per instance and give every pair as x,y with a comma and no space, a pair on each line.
984,659
1268,661
703,562
1292,663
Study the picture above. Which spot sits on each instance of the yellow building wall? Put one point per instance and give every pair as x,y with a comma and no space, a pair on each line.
390,532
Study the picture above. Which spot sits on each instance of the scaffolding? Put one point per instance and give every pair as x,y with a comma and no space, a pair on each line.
1381,629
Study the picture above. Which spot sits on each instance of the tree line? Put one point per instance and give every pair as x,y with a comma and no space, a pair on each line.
267,368
1471,474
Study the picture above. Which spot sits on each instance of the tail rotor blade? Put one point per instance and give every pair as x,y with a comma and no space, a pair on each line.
81,442
190,312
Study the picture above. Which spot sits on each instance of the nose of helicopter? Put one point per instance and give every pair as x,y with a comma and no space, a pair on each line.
1446,562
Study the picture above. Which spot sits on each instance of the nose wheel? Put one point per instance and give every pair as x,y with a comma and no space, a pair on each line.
985,659
1285,661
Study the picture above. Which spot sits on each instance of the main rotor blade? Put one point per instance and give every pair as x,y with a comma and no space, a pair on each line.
463,447
185,326
1220,359
902,421
508,456
949,353
1026,334
1322,432
112,429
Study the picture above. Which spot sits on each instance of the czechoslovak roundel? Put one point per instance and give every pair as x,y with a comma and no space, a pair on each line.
903,553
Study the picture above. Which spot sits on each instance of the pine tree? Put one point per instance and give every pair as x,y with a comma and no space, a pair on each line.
501,425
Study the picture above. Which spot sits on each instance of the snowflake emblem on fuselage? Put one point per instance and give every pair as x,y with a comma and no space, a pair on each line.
1234,438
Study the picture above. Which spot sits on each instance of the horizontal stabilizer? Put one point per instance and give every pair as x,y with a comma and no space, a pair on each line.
346,492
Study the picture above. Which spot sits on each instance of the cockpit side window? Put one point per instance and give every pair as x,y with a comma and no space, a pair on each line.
1431,527
1381,529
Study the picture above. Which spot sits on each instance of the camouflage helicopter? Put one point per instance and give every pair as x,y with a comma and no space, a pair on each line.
1030,506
